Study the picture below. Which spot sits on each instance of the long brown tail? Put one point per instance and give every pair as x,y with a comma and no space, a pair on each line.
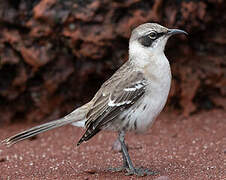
75,116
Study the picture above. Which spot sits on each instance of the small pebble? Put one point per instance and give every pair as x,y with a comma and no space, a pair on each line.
116,146
92,171
2,159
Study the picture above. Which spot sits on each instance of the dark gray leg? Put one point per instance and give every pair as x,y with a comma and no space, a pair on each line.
126,158
127,161
125,166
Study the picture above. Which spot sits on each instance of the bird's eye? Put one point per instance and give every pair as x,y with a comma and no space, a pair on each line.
153,35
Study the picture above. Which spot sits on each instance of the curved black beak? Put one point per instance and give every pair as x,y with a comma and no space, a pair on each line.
176,31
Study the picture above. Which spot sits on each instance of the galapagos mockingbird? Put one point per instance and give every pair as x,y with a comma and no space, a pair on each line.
130,100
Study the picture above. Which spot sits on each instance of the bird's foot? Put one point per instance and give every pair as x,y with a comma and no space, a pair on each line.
119,169
140,172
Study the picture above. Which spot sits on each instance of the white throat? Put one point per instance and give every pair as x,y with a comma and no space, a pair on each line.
142,56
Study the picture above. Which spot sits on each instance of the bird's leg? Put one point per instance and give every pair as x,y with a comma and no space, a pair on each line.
127,163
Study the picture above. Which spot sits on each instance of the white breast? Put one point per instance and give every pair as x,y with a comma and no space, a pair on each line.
158,75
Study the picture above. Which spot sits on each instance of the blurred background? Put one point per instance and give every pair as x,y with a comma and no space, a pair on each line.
55,54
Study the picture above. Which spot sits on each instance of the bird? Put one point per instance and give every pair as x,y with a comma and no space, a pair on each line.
130,100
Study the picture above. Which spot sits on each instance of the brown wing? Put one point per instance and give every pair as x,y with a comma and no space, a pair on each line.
122,90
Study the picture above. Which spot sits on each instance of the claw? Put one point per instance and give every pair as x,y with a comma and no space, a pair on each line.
140,172
118,169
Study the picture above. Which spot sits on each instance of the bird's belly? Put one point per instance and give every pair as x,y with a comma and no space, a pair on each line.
146,116
142,114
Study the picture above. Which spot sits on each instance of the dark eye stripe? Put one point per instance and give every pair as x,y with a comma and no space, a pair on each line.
160,34
147,41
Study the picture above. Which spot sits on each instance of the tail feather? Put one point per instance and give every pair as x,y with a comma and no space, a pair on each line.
30,132
34,131
75,116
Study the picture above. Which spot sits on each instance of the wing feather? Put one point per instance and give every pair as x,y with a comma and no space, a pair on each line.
115,95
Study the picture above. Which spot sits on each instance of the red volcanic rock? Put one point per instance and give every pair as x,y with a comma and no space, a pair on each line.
35,57
54,55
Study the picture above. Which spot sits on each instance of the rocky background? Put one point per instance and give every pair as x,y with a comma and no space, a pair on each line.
55,54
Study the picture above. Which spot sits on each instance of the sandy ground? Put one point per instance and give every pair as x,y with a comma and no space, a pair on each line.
175,147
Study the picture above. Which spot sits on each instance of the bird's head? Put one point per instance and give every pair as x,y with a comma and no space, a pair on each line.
149,39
